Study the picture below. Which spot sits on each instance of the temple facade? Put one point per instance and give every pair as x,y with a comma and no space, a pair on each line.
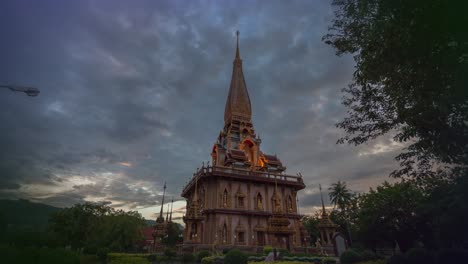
244,199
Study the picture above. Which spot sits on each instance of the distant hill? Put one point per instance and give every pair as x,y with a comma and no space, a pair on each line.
23,214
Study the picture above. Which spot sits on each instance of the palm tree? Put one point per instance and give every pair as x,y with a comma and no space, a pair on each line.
340,195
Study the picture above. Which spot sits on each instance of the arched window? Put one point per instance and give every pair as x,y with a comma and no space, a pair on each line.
224,234
259,201
225,198
289,204
194,230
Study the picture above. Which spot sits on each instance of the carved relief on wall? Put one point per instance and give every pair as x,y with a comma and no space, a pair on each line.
225,199
240,198
289,204
258,201
201,198
240,236
276,202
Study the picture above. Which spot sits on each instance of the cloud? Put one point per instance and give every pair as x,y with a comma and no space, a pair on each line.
132,95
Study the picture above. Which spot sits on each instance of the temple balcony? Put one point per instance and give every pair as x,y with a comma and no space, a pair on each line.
244,175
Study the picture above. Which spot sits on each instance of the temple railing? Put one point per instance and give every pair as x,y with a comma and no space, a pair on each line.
242,173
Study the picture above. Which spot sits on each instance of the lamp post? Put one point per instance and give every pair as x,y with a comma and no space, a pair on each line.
29,91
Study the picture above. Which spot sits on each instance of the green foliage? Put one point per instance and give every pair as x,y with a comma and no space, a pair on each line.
122,258
451,256
283,252
389,214
267,249
235,256
329,261
89,259
208,260
410,79
98,225
310,224
129,260
340,195
419,256
102,254
37,255
90,250
256,258
170,253
377,261
188,258
350,256
367,255
173,235
397,259
202,254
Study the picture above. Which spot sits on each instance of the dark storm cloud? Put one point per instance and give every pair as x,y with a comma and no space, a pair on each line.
132,95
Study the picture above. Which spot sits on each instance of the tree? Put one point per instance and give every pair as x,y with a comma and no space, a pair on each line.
98,225
391,213
410,79
174,234
340,195
310,223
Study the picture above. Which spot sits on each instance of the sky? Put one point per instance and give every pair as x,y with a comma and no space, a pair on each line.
133,93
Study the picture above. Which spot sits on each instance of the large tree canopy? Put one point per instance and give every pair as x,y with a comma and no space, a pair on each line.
411,78
98,225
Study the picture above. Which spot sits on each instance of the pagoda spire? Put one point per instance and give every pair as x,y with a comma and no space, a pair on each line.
237,48
162,204
167,213
238,102
324,213
172,204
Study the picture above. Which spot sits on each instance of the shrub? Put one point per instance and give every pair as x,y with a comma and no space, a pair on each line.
419,256
90,250
208,260
152,257
367,255
235,256
188,258
102,254
376,261
350,256
89,259
451,255
284,252
202,254
397,259
170,253
267,249
12,254
226,250
130,259
218,259
328,261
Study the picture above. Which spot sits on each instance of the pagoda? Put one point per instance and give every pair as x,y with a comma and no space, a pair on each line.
244,199
161,227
